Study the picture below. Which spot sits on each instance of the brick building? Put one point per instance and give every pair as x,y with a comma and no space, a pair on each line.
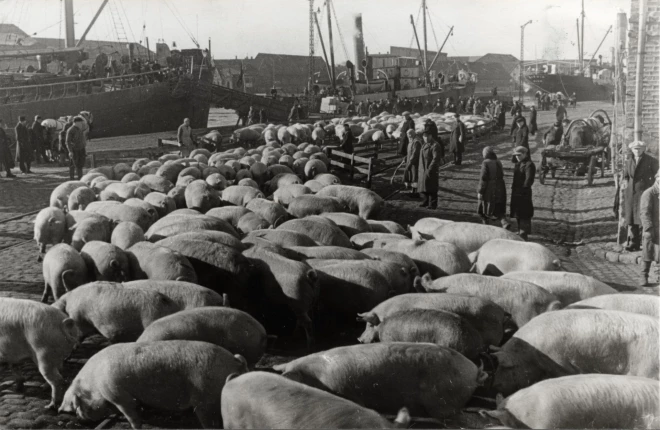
651,75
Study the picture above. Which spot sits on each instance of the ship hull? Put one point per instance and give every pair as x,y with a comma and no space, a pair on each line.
585,89
456,92
142,109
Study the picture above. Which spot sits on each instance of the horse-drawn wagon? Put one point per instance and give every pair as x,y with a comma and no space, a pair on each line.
584,146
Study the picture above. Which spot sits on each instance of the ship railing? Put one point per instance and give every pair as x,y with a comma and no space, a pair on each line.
60,90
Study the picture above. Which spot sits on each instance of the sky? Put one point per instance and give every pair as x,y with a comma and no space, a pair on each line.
243,28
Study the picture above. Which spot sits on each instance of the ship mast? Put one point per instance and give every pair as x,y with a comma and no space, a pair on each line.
70,41
332,51
425,64
582,41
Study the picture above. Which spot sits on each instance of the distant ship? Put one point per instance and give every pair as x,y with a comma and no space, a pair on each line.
133,103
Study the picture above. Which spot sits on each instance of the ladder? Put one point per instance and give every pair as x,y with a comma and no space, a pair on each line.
117,22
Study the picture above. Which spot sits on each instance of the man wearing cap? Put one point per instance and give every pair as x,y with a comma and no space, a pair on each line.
650,217
429,164
434,129
638,176
457,140
410,173
439,106
6,159
347,139
23,147
75,144
522,207
37,140
408,124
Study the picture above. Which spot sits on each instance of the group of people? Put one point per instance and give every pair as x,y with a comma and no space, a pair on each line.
545,100
36,143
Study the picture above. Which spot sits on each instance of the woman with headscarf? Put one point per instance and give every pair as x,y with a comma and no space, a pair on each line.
410,176
533,128
522,207
492,190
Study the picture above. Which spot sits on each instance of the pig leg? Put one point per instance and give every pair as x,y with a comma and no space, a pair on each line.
127,405
305,322
46,294
52,375
20,379
209,416
42,251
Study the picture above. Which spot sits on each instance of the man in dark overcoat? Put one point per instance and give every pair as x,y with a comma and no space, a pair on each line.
521,133
410,174
37,140
638,176
554,134
457,140
6,160
650,217
23,148
408,124
428,170
522,207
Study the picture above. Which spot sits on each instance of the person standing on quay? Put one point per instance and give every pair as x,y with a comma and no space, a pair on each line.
650,217
6,159
492,190
638,176
457,140
522,207
23,147
429,164
75,144
37,140
184,137
408,124
410,174
533,127
561,112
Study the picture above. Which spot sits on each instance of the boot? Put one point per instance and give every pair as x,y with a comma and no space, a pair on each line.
10,175
646,268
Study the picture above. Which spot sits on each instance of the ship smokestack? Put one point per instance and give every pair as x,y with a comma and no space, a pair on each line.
358,39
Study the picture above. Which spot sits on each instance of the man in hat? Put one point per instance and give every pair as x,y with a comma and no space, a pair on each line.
347,140
561,112
522,207
521,133
184,137
418,107
650,217
428,170
439,106
23,147
514,122
75,144
410,173
408,124
457,139
6,159
428,122
37,140
554,134
638,176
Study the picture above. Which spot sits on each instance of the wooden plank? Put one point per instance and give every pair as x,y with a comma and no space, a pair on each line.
340,164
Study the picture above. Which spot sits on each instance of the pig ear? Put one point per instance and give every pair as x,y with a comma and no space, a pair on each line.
402,419
499,398
225,300
231,376
554,306
369,317
73,227
115,264
417,284
243,362
312,275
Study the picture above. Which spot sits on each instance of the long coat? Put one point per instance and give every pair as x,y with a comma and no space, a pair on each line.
23,147
639,177
492,189
521,190
403,139
533,127
6,159
521,136
650,216
37,135
429,164
458,131
410,174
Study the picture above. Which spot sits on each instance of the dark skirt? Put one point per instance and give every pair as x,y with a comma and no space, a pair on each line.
522,206
24,153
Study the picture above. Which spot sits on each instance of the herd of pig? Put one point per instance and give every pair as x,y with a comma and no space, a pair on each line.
190,267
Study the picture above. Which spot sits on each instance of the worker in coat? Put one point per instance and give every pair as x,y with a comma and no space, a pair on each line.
492,190
75,144
347,140
650,217
294,115
638,176
408,124
410,174
521,133
457,140
561,112
24,150
522,207
533,127
6,160
554,134
184,137
37,140
429,164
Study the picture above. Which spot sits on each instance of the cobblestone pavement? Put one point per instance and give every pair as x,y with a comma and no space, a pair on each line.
567,211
